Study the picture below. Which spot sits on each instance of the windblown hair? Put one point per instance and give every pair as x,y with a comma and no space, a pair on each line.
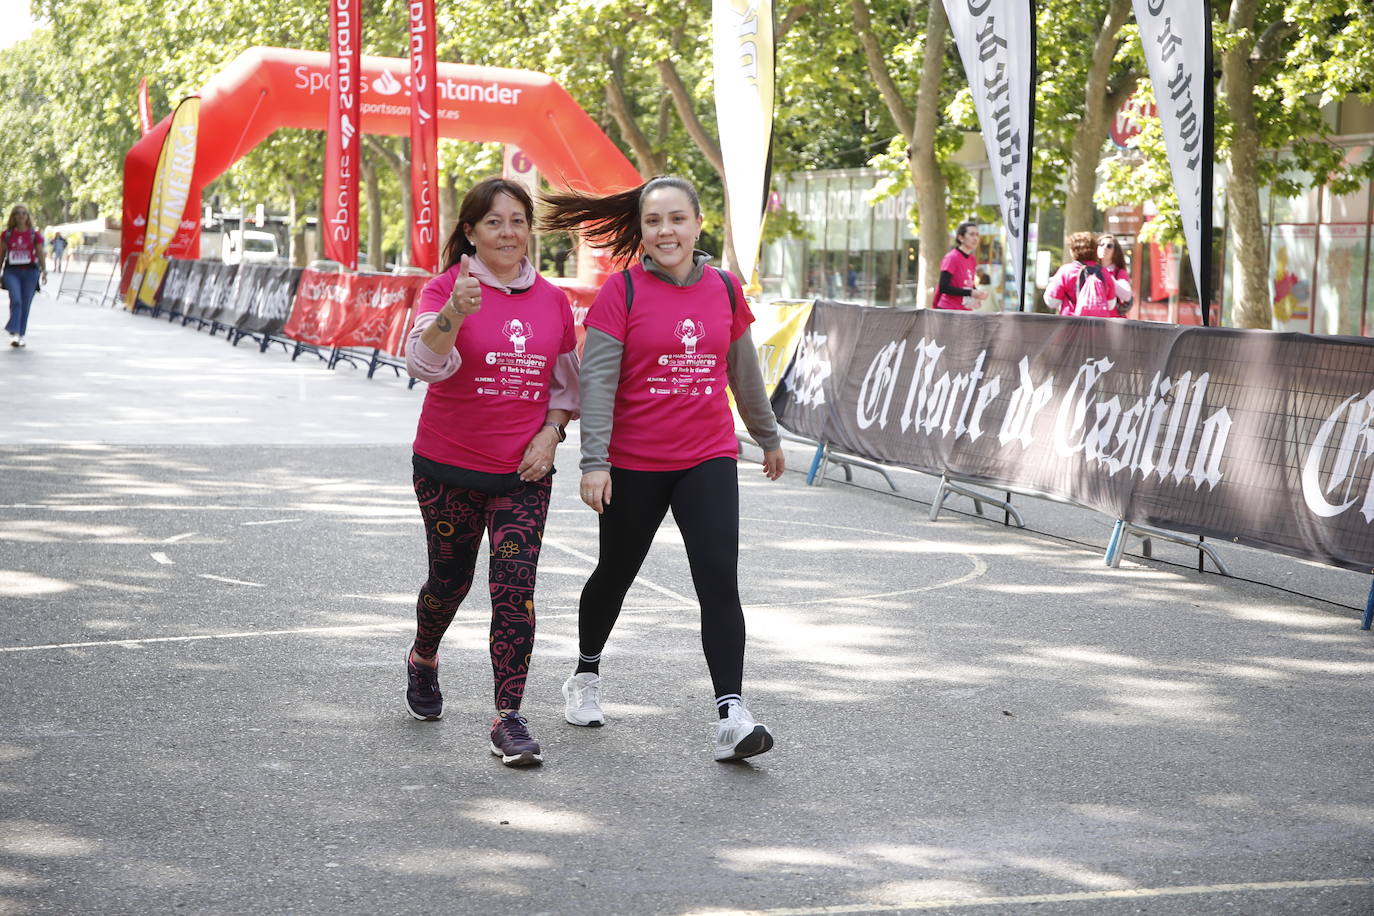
477,203
1083,246
1118,257
610,222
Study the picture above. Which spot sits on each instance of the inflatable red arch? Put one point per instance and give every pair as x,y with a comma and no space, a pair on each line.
267,88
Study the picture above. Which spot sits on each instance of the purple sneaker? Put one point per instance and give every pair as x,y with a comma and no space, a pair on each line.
511,741
423,699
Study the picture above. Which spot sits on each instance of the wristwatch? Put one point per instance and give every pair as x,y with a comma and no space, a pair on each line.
558,428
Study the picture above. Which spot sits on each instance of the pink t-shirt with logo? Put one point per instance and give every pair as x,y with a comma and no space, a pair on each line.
484,415
671,411
23,246
963,272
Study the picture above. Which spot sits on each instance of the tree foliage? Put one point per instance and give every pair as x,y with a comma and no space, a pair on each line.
849,77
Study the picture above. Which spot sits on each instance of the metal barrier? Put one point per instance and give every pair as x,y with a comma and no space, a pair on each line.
90,274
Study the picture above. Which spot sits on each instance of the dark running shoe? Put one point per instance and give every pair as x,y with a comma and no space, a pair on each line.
511,741
423,699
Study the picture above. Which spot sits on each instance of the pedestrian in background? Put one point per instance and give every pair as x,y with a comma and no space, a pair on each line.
59,251
664,338
496,343
959,272
21,252
1113,260
1085,287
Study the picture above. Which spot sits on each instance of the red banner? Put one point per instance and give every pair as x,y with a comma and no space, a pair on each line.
351,310
379,312
424,138
342,141
145,108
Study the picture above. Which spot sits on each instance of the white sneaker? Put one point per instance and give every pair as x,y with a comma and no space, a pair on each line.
19,342
14,340
582,700
739,736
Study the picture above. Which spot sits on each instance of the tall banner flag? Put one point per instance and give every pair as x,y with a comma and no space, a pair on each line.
1176,36
167,204
744,75
996,41
342,155
145,108
424,138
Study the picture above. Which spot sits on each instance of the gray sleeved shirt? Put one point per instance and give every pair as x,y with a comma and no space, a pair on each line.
600,375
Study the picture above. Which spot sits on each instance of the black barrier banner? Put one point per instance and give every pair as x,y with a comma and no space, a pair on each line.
1254,437
216,292
172,296
264,297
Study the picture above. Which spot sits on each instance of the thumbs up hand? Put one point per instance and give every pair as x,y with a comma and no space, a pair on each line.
466,298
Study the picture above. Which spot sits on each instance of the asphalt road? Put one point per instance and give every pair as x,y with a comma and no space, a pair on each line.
208,566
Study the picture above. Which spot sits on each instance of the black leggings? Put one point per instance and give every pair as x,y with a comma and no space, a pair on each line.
705,504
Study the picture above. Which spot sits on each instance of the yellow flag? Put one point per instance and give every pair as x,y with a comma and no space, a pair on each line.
171,189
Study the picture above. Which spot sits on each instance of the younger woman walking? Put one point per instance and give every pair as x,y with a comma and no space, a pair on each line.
664,338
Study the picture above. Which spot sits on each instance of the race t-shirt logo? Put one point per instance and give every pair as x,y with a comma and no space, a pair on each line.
517,332
690,331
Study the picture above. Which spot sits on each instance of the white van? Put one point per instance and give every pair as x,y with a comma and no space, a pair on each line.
256,246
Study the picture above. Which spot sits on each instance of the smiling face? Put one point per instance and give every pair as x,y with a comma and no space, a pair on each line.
501,237
670,226
19,218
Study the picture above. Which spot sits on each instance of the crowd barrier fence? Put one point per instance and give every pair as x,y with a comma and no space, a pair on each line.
1184,434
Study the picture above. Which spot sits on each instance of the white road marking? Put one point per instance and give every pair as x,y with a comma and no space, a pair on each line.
591,561
162,558
396,625
272,521
179,537
230,581
941,903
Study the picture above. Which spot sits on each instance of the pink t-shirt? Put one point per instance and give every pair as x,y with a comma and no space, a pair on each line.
484,415
1064,284
23,246
671,411
963,271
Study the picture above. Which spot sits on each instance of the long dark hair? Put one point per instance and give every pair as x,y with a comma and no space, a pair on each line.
610,222
1118,255
477,203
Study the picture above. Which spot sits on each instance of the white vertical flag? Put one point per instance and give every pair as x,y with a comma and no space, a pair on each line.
1176,36
996,41
743,32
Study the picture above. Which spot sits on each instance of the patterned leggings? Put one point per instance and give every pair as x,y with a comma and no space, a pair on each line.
455,519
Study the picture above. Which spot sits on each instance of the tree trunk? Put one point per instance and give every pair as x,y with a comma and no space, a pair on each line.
448,211
1085,152
918,127
373,194
647,159
400,165
931,205
1249,254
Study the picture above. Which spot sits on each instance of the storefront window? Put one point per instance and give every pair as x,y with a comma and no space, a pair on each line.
1341,279
1292,260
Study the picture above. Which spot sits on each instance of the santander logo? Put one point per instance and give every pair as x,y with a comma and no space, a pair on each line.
386,84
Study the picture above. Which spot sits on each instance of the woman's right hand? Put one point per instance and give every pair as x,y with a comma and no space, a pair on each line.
466,298
596,490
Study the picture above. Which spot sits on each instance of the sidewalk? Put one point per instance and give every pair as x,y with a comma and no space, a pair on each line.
208,566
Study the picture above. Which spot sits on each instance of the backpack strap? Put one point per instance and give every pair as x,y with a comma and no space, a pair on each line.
729,287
